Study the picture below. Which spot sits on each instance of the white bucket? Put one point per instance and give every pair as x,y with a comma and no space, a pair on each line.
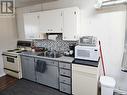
107,85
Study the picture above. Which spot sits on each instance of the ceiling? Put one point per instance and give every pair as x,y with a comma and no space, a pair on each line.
22,3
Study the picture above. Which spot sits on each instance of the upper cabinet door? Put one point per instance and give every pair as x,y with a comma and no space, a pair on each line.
66,21
31,26
71,24
51,21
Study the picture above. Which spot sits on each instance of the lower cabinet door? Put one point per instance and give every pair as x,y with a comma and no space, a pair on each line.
49,77
84,80
28,68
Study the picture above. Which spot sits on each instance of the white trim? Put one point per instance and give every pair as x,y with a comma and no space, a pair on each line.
2,74
101,3
121,92
7,16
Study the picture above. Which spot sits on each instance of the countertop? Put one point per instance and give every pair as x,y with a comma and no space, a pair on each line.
86,62
62,59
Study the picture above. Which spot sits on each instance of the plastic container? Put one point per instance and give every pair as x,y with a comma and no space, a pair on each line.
107,85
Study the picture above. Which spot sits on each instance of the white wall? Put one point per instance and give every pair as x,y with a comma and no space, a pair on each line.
8,37
107,24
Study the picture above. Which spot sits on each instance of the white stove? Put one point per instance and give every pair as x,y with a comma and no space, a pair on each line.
12,61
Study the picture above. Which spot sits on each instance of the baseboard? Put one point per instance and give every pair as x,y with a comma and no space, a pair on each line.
121,92
2,74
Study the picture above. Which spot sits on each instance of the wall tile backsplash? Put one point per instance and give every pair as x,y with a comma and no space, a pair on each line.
58,45
54,45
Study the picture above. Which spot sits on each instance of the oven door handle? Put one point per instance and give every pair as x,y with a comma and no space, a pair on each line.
9,55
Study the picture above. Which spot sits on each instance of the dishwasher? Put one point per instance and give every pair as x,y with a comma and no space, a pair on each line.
50,76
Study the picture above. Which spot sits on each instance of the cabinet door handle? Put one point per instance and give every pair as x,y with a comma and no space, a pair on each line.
64,66
61,14
75,12
64,89
38,17
61,29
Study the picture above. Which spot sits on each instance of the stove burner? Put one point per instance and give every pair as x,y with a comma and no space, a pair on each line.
21,51
13,50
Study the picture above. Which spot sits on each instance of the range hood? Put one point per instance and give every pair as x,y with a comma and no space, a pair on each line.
54,36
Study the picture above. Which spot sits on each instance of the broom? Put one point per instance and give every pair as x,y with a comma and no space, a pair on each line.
102,60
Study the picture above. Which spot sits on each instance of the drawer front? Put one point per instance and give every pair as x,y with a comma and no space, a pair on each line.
65,65
85,69
65,88
14,74
65,72
65,80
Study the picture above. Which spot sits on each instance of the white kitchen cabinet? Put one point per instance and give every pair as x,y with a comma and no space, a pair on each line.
84,80
65,21
31,26
71,23
51,21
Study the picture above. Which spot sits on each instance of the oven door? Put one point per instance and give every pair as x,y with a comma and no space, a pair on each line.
11,62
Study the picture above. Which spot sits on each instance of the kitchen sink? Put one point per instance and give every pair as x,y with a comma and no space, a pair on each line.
51,54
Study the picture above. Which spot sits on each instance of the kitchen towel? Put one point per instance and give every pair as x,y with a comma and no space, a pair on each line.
41,66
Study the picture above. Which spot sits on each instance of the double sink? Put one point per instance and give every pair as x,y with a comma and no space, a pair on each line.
51,54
